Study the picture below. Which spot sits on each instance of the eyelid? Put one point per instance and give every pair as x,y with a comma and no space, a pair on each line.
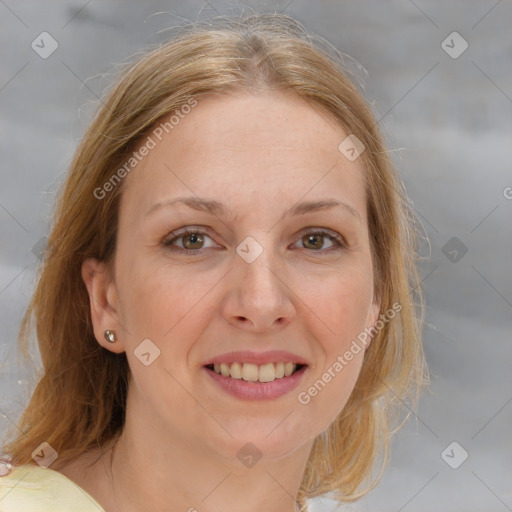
338,240
181,232
337,237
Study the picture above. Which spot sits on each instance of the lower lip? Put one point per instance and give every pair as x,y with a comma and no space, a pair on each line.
257,390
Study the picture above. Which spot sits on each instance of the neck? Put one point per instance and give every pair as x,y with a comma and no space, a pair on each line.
153,471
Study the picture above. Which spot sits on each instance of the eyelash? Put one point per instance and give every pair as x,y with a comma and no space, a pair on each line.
338,240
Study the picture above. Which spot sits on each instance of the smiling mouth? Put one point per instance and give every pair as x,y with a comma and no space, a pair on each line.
256,373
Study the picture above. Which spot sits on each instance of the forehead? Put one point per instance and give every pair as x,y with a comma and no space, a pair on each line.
266,149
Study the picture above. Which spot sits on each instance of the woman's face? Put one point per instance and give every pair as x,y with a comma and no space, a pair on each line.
262,270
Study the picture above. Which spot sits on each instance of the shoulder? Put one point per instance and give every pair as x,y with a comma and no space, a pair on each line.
31,488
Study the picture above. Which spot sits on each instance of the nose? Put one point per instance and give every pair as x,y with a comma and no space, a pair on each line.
258,296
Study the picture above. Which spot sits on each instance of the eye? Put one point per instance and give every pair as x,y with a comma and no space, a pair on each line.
314,239
192,240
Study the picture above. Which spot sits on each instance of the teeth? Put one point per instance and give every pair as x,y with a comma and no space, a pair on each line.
254,373
250,372
236,371
267,373
224,369
288,369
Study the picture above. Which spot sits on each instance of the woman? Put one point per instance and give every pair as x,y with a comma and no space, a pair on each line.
228,307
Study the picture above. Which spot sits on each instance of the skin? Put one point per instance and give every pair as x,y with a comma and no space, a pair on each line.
258,154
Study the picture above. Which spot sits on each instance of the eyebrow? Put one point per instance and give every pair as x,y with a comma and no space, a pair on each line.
221,210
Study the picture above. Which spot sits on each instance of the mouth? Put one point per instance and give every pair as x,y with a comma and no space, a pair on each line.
251,372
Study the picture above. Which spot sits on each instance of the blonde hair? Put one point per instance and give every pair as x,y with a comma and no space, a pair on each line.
79,402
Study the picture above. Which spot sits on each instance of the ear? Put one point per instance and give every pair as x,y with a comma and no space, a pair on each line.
103,303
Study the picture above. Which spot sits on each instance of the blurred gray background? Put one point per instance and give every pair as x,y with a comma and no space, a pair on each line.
446,111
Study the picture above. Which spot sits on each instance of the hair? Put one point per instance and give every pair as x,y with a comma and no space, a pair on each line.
79,402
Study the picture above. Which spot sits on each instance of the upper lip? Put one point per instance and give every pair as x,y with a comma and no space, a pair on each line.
259,358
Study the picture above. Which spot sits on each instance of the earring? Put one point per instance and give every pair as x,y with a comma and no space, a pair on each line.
111,336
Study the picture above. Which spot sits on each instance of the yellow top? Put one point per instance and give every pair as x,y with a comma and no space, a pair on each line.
30,488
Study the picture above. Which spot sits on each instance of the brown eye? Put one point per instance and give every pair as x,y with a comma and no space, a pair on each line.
314,240
192,241
187,241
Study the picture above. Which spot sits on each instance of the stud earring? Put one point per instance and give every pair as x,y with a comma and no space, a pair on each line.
111,336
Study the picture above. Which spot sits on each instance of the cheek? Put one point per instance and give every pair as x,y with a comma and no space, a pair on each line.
157,303
341,302
324,395
163,302
342,305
